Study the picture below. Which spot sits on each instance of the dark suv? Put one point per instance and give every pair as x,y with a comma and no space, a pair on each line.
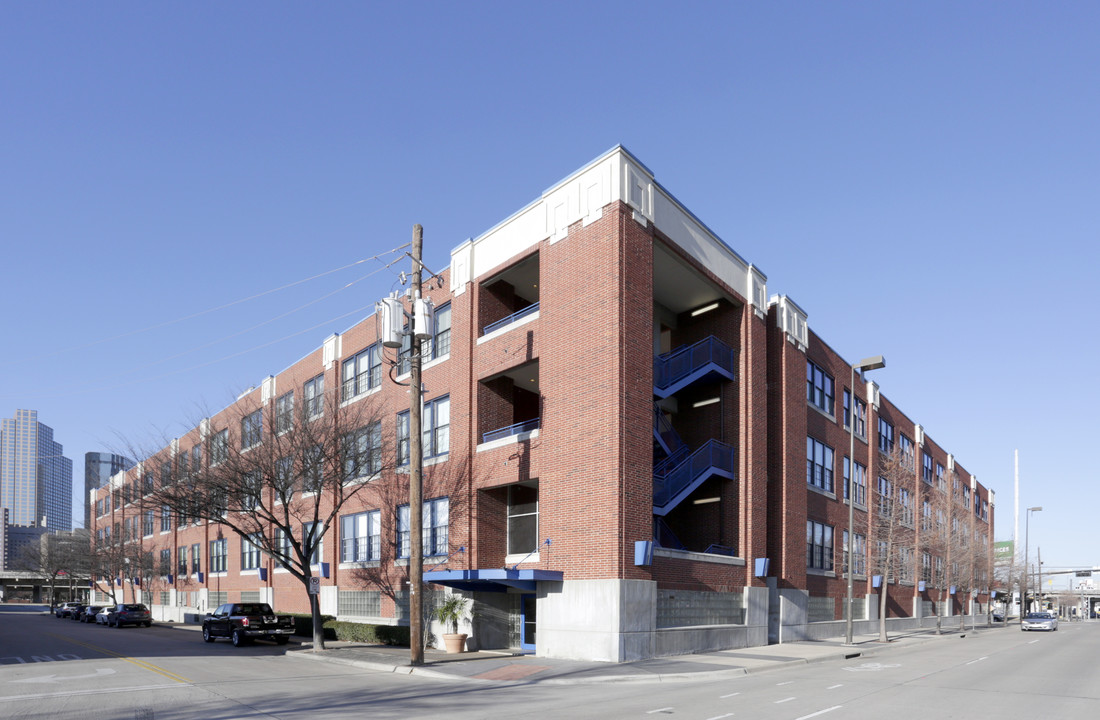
66,610
131,614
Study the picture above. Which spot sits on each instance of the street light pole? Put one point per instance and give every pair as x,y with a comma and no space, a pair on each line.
416,466
1027,565
871,363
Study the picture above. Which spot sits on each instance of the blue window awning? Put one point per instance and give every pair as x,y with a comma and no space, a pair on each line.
493,579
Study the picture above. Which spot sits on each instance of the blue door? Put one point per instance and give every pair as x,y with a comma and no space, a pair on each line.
527,623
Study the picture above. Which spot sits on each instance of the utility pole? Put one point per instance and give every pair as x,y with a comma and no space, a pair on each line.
416,469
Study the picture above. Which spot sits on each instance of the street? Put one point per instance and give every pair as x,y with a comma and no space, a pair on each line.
60,669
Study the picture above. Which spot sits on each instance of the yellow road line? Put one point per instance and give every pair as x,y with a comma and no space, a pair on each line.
140,663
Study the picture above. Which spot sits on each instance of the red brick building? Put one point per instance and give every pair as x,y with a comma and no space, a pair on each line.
645,455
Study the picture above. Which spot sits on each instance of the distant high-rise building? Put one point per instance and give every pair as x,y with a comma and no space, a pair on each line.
36,479
98,469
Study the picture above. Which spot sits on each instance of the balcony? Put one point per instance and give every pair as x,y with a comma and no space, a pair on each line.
516,429
514,317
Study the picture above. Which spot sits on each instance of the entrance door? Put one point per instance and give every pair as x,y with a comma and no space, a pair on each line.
527,623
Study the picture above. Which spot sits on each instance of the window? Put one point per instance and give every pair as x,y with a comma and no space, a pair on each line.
905,500
362,452
861,414
966,497
361,537
313,536
284,550
250,552
434,525
165,518
218,553
165,567
926,567
926,469
219,448
361,372
313,392
926,516
284,478
403,438
149,481
819,465
251,488
985,510
441,340
905,564
859,550
147,523
885,497
196,558
313,470
182,470
819,546
284,413
523,519
941,483
860,483
181,562
404,353
437,427
196,458
819,387
252,427
907,454
885,436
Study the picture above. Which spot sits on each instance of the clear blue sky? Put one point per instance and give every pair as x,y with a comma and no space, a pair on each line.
923,178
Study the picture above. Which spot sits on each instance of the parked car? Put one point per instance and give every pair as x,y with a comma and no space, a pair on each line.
87,613
241,622
76,612
104,615
65,610
129,614
1039,621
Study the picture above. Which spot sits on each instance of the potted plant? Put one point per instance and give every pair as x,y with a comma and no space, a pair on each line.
450,612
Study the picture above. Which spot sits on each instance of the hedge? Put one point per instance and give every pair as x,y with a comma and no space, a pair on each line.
351,631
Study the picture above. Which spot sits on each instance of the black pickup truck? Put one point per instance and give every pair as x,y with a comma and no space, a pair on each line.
241,622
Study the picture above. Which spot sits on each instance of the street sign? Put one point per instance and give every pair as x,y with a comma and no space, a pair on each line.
315,586
1084,573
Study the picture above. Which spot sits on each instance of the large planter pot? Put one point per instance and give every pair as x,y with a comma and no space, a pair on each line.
454,642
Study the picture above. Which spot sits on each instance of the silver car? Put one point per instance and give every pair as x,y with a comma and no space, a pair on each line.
1039,621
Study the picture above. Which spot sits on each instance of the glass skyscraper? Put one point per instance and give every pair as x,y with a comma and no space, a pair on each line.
36,480
98,469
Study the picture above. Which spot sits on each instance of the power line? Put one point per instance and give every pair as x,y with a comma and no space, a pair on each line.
200,313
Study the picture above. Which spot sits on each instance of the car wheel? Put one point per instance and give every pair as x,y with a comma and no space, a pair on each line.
148,623
239,638
206,634
281,639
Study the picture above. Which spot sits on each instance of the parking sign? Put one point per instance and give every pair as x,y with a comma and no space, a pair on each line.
315,586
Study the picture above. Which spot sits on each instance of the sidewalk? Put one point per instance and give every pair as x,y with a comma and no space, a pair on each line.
496,668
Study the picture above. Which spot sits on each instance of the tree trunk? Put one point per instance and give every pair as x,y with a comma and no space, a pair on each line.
882,610
318,624
939,614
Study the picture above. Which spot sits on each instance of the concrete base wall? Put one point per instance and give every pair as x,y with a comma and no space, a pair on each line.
602,620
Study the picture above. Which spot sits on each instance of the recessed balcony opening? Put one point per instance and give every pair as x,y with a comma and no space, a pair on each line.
509,296
509,403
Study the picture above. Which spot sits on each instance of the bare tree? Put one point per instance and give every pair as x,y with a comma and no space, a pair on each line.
954,545
279,477
59,558
890,527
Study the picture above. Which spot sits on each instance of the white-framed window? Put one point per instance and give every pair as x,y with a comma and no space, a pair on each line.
362,452
361,537
819,464
165,567
251,557
313,535
252,429
147,522
437,427
858,554
313,395
361,372
905,500
196,558
926,473
908,459
819,546
219,553
434,526
440,343
284,413
219,447
860,482
885,436
403,438
861,414
819,387
284,549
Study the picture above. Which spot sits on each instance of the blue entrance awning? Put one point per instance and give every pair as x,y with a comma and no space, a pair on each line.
492,580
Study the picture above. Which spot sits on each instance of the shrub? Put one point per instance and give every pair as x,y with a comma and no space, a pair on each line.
303,625
367,633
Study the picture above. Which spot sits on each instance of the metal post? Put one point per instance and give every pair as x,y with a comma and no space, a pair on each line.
416,467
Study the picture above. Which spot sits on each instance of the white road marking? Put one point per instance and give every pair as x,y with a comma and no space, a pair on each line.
820,712
870,667
789,682
779,702
719,717
100,691
834,687
723,697
978,660
664,709
1033,642
56,679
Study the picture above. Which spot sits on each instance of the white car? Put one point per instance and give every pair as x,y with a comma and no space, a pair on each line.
1039,621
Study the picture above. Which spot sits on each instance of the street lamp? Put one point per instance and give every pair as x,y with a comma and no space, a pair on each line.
1027,572
871,363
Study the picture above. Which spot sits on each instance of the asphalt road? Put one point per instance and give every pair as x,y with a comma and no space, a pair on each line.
60,669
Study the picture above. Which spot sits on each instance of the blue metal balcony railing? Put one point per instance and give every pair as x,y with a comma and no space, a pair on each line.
664,536
664,433
518,428
519,315
680,367
676,483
